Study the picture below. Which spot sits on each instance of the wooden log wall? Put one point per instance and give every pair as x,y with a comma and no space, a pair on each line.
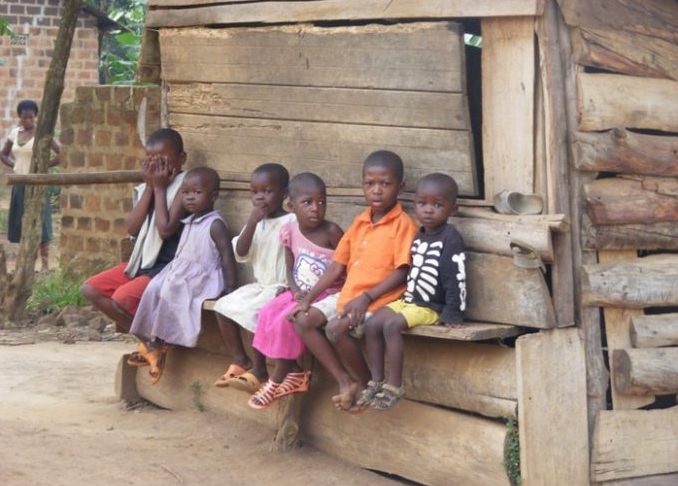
625,149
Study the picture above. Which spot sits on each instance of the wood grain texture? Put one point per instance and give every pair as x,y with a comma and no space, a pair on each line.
608,101
655,236
470,331
500,292
634,443
658,480
631,201
626,52
646,282
364,106
333,151
654,331
508,104
618,336
308,11
657,18
552,420
488,236
420,57
646,371
458,449
480,378
625,152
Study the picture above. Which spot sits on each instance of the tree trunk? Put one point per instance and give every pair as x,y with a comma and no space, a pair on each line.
19,288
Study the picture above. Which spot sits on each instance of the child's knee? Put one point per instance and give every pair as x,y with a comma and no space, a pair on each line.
395,326
335,329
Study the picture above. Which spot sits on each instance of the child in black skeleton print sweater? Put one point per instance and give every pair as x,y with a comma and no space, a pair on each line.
436,290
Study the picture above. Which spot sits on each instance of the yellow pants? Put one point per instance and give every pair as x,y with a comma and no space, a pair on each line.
415,315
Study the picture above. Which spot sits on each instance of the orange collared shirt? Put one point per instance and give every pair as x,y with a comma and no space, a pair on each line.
371,251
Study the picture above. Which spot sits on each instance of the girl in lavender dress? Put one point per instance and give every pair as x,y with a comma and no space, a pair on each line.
203,268
309,243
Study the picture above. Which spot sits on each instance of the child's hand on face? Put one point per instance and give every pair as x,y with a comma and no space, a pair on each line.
356,309
147,169
257,215
163,174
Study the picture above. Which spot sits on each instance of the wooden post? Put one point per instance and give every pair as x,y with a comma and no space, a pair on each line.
654,331
19,289
554,439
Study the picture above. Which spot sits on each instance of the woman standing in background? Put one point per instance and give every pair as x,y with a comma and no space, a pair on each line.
16,154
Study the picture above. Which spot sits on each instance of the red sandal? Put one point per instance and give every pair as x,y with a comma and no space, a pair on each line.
294,383
265,396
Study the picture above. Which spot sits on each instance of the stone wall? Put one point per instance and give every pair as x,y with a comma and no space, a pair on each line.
27,57
99,133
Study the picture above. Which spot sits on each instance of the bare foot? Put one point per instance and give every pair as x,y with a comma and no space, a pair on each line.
345,398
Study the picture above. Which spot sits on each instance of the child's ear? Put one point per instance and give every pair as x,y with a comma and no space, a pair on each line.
401,187
182,158
453,210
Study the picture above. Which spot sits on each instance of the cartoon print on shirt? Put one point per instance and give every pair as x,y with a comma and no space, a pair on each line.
307,270
423,276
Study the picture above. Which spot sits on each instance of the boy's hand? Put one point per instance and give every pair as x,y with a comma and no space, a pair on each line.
147,169
163,174
356,309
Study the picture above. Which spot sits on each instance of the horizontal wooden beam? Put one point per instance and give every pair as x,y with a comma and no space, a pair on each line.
646,371
332,10
76,178
625,152
645,282
654,331
607,101
634,444
631,201
654,236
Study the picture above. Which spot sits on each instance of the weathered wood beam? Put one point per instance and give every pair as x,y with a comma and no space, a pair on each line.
634,444
554,439
608,101
625,152
508,104
654,480
559,223
626,52
489,236
654,331
499,291
617,332
655,236
327,10
75,178
646,371
629,201
646,282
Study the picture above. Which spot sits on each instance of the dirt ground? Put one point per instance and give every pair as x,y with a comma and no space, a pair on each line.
60,424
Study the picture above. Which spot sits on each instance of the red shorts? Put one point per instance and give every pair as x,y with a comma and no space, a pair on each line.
125,291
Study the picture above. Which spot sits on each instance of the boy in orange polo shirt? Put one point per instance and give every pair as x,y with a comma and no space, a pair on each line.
375,254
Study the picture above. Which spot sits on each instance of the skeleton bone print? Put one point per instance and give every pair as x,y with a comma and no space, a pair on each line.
428,270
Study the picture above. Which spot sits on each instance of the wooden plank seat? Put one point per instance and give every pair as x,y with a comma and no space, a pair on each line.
471,331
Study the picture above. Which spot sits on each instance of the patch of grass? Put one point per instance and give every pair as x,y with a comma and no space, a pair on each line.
55,290
198,393
4,220
512,451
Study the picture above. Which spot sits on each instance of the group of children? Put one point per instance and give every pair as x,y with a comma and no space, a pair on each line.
314,287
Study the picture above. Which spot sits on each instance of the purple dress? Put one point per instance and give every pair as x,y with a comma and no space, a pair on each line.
275,336
171,305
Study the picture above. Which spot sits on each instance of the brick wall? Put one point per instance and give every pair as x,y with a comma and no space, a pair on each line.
23,74
99,133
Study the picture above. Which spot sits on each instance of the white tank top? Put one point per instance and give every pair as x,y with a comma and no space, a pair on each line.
22,153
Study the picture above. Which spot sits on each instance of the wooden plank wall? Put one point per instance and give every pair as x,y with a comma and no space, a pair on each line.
163,13
626,128
322,99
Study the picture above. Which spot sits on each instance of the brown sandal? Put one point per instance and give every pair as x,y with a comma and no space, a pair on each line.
294,383
138,358
388,397
156,361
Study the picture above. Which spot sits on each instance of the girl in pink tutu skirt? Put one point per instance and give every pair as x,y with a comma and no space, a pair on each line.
309,244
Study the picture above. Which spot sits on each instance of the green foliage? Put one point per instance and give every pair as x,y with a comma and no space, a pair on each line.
55,290
198,392
4,220
5,30
120,48
512,451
